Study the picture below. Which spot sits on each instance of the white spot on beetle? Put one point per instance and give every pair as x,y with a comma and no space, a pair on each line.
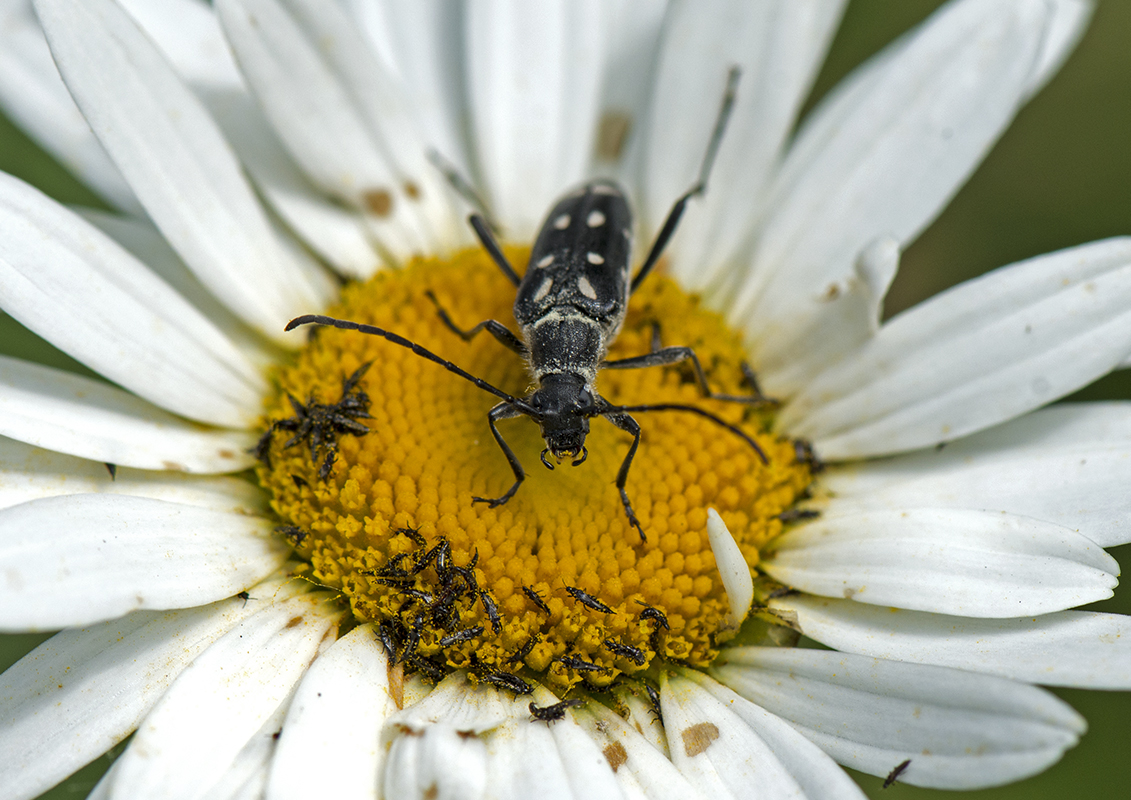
586,288
602,188
594,258
562,222
544,289
545,261
595,219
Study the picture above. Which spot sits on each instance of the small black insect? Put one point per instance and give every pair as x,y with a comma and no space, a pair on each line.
625,651
390,633
490,609
536,598
506,680
588,600
654,614
429,668
795,514
466,635
804,454
243,596
521,653
895,773
320,424
654,701
554,712
411,533
579,664
570,305
294,533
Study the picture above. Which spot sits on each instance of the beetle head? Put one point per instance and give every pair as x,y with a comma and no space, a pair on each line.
564,405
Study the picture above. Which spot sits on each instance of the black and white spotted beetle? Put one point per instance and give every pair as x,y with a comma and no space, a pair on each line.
570,305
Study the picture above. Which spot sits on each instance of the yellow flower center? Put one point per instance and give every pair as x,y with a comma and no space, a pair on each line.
387,516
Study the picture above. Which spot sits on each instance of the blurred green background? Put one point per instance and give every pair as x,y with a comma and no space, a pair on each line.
1059,177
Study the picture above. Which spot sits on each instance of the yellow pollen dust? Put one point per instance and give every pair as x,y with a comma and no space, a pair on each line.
456,584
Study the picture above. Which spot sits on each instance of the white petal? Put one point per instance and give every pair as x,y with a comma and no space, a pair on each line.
220,701
778,45
960,730
190,37
816,773
29,473
141,238
246,777
178,163
1070,19
849,318
978,354
423,41
1070,648
882,158
68,413
189,34
642,770
454,701
715,749
626,87
587,769
534,77
335,717
642,716
1084,490
967,563
34,97
437,762
733,569
69,282
1065,427
80,559
336,234
315,118
84,690
386,107
523,762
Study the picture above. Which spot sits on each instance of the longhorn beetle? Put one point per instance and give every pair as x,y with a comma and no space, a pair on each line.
570,305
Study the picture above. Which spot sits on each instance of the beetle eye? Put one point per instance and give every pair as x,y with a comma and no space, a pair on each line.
584,399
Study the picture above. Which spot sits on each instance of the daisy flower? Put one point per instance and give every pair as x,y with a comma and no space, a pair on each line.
268,556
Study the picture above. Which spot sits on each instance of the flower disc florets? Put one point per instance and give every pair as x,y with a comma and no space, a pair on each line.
555,580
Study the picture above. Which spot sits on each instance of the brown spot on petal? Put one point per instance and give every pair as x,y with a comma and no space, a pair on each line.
411,190
227,454
173,466
396,684
379,202
294,622
616,755
612,132
698,738
431,793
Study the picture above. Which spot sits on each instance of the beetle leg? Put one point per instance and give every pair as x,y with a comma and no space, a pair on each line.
496,329
504,411
626,423
491,245
666,356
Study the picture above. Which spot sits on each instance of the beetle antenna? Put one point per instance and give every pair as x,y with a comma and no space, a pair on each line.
729,95
519,404
694,410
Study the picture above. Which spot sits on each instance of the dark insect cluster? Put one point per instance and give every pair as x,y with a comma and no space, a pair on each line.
320,425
